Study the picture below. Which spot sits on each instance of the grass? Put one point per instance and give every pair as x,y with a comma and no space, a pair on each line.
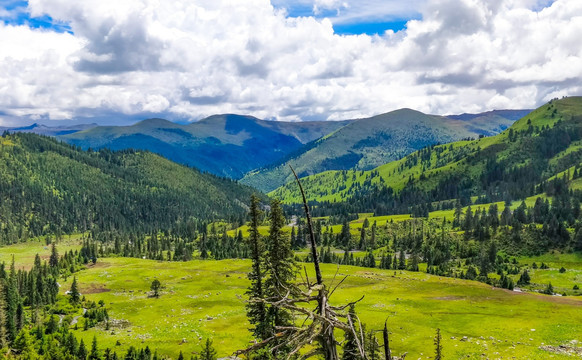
562,282
204,299
24,253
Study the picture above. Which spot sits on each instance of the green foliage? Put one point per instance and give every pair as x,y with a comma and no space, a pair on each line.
225,145
47,187
155,287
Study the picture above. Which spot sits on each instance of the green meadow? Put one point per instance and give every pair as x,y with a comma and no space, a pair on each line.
203,299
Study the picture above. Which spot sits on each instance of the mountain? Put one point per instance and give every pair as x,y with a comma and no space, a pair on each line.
226,145
519,162
491,122
48,130
47,186
367,143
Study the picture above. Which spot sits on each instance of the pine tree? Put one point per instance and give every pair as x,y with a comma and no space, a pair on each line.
74,292
350,348
95,354
208,352
524,278
402,260
372,346
281,266
438,346
82,351
362,244
3,330
256,311
54,259
155,287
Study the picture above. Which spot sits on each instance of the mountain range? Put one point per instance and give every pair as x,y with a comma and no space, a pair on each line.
256,151
517,163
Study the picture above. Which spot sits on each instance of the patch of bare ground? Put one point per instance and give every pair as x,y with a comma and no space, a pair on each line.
570,348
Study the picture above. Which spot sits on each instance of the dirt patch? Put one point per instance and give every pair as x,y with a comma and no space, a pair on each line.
570,348
95,290
99,265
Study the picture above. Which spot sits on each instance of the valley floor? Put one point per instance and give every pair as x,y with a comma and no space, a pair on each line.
203,299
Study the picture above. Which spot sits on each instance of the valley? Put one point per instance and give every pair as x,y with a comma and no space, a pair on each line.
479,238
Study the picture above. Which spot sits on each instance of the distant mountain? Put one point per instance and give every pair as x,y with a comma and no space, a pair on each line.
515,164
366,143
491,122
226,145
48,130
50,187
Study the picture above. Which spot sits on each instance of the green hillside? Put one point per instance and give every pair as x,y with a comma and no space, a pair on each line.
225,145
509,165
51,187
367,143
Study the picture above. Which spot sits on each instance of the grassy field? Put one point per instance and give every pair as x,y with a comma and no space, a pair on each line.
24,253
206,299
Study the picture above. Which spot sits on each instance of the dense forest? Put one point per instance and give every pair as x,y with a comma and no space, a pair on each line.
48,187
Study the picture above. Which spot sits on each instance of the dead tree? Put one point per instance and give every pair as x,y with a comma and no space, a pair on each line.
318,323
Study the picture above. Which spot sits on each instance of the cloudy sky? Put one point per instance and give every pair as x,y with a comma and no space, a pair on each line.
123,60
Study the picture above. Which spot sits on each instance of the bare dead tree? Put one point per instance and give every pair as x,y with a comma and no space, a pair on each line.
318,323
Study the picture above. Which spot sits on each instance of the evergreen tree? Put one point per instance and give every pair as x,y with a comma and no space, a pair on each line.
524,278
438,346
350,348
82,351
281,266
155,287
256,311
402,260
208,352
54,259
95,354
74,294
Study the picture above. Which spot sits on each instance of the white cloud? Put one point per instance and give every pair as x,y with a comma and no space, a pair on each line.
189,59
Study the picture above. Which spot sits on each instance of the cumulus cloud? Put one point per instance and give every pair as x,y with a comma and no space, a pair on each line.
190,59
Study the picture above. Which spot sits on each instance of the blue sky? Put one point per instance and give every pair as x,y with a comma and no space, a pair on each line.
15,12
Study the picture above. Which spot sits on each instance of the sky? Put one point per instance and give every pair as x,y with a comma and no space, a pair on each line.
116,62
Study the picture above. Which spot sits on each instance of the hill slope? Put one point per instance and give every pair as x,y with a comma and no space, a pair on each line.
506,166
225,145
49,187
367,143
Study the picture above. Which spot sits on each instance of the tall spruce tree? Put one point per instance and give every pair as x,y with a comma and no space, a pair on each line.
74,294
54,259
256,310
208,352
280,264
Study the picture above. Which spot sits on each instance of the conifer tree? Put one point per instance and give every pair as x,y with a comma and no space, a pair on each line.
281,266
95,354
402,260
350,348
208,352
54,259
75,296
256,311
3,331
82,351
438,346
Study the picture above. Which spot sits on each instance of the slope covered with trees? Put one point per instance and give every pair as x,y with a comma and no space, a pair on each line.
367,143
512,165
225,145
51,187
